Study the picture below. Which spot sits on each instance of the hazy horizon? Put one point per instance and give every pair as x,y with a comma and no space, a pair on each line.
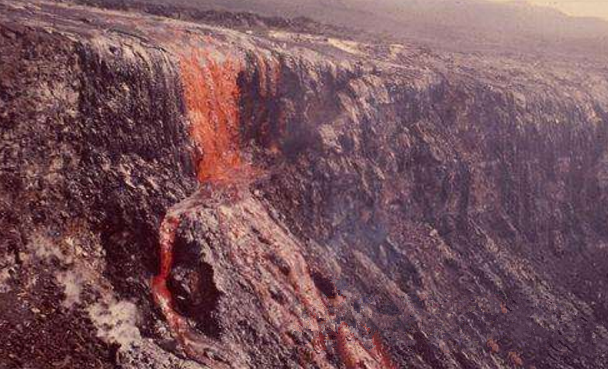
493,26
578,8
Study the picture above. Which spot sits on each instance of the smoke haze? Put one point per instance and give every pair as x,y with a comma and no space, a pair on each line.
579,8
494,26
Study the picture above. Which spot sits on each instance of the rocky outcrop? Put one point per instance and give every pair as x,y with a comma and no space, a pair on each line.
326,203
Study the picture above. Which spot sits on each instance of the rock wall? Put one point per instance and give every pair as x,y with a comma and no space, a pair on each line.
476,209
339,204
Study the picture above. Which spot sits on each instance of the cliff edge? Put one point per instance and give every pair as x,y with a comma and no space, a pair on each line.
185,195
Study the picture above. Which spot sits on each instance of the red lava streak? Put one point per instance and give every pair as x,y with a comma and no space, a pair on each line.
211,94
212,97
162,295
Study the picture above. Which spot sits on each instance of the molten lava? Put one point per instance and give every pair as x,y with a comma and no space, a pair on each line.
211,94
162,295
212,98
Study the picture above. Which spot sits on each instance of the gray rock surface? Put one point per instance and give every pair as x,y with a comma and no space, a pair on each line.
454,204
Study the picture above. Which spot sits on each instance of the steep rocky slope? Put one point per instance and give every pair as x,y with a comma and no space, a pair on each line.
324,203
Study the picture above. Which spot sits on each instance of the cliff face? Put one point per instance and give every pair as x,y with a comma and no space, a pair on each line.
324,203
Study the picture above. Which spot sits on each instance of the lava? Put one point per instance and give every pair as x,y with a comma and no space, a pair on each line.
162,295
380,352
211,93
212,97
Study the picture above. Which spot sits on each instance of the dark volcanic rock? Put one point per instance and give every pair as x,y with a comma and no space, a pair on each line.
454,205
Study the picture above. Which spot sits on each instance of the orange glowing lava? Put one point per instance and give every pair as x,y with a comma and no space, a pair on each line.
162,295
212,97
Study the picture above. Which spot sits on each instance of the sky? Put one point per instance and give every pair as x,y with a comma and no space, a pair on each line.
594,8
